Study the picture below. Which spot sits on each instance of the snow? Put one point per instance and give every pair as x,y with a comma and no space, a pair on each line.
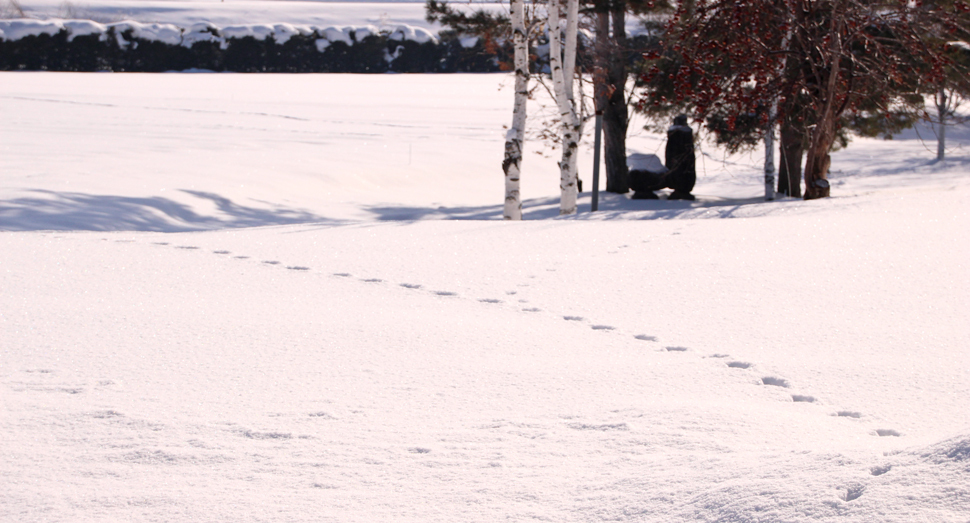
237,12
645,162
240,297
165,33
339,34
415,34
206,32
323,13
200,32
17,29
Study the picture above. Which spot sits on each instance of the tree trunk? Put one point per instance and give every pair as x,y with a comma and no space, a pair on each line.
770,154
790,164
941,111
515,137
817,162
817,159
571,124
615,117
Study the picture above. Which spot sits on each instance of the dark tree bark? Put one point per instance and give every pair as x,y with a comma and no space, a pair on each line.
790,166
615,117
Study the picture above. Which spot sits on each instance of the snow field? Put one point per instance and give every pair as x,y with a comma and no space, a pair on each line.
224,297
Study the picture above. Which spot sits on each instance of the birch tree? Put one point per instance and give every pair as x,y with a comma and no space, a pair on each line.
562,66
512,163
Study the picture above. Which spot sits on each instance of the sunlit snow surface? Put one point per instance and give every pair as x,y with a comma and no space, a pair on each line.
291,298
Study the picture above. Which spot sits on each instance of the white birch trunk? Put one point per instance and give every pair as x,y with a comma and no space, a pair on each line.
770,153
571,124
514,139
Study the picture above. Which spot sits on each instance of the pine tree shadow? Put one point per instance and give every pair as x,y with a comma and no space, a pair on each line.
52,210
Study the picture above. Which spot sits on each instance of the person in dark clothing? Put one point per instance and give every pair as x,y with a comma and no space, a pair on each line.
679,159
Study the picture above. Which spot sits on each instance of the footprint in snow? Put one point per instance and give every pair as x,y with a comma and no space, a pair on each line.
241,257
739,365
879,471
604,427
187,247
775,382
573,318
644,337
603,327
419,450
848,414
446,293
490,300
532,309
106,414
887,432
69,390
220,252
411,285
676,349
159,243
798,398
253,434
342,274
271,262
372,280
852,493
297,268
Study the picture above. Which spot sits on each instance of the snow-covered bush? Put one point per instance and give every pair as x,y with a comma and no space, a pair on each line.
84,45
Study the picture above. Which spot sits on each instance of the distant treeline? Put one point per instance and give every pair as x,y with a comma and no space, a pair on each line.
133,47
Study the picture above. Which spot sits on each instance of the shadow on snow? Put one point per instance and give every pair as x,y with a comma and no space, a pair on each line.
611,207
50,210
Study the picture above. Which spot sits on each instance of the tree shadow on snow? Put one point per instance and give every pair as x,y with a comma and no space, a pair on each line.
51,210
611,207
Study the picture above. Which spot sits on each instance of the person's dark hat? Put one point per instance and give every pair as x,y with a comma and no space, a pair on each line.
680,119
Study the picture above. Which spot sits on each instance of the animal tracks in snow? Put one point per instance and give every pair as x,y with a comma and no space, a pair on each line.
772,381
775,382
887,432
